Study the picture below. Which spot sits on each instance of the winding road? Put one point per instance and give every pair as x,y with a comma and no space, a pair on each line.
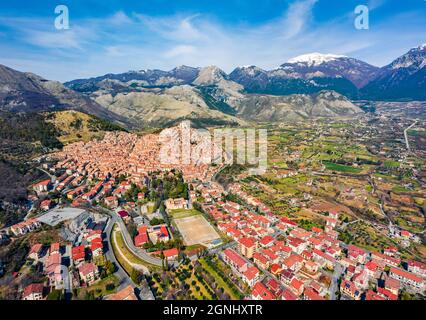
140,253
122,276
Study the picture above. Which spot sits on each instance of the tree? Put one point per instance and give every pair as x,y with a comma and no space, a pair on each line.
89,295
133,231
55,295
110,267
156,221
109,287
136,276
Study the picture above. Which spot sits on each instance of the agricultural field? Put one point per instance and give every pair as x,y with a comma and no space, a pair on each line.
340,168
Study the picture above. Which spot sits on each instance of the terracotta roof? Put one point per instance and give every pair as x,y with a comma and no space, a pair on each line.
406,274
310,294
87,268
128,293
247,242
251,273
36,248
33,288
261,291
235,257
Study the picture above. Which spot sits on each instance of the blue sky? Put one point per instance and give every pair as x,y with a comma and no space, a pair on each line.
117,36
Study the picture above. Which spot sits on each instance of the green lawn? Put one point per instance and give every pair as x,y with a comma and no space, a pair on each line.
183,213
417,133
100,288
340,167
120,246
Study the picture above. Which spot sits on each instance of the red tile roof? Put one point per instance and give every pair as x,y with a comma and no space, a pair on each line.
96,245
54,247
406,274
171,252
235,257
267,240
310,294
371,295
288,295
251,273
247,242
78,253
389,295
33,288
262,292
36,248
141,239
87,268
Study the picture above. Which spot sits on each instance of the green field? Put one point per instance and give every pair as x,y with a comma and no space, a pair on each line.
417,133
391,164
340,167
183,213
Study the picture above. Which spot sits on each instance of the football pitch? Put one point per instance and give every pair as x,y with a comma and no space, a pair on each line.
196,230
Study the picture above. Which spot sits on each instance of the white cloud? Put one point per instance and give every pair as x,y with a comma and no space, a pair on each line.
179,51
297,17
119,42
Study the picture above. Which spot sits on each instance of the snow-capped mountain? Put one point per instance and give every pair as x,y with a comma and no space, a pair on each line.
333,66
314,59
404,78
304,74
185,73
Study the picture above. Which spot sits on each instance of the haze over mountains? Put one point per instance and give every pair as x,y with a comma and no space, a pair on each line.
311,85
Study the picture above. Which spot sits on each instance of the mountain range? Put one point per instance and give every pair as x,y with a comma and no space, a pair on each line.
403,79
24,91
307,86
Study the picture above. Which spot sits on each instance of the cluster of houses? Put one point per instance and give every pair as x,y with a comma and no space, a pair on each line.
65,266
154,234
122,153
25,227
278,259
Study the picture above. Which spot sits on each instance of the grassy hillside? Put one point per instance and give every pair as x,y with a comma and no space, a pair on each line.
24,136
72,126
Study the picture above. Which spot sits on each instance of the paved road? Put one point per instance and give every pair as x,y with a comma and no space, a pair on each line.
338,270
140,253
122,276
406,135
52,177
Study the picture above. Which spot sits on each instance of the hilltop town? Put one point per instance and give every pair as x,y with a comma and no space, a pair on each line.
339,214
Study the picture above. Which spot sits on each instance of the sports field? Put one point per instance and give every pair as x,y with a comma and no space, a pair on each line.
196,230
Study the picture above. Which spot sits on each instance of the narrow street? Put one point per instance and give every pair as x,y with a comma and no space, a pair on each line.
338,270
